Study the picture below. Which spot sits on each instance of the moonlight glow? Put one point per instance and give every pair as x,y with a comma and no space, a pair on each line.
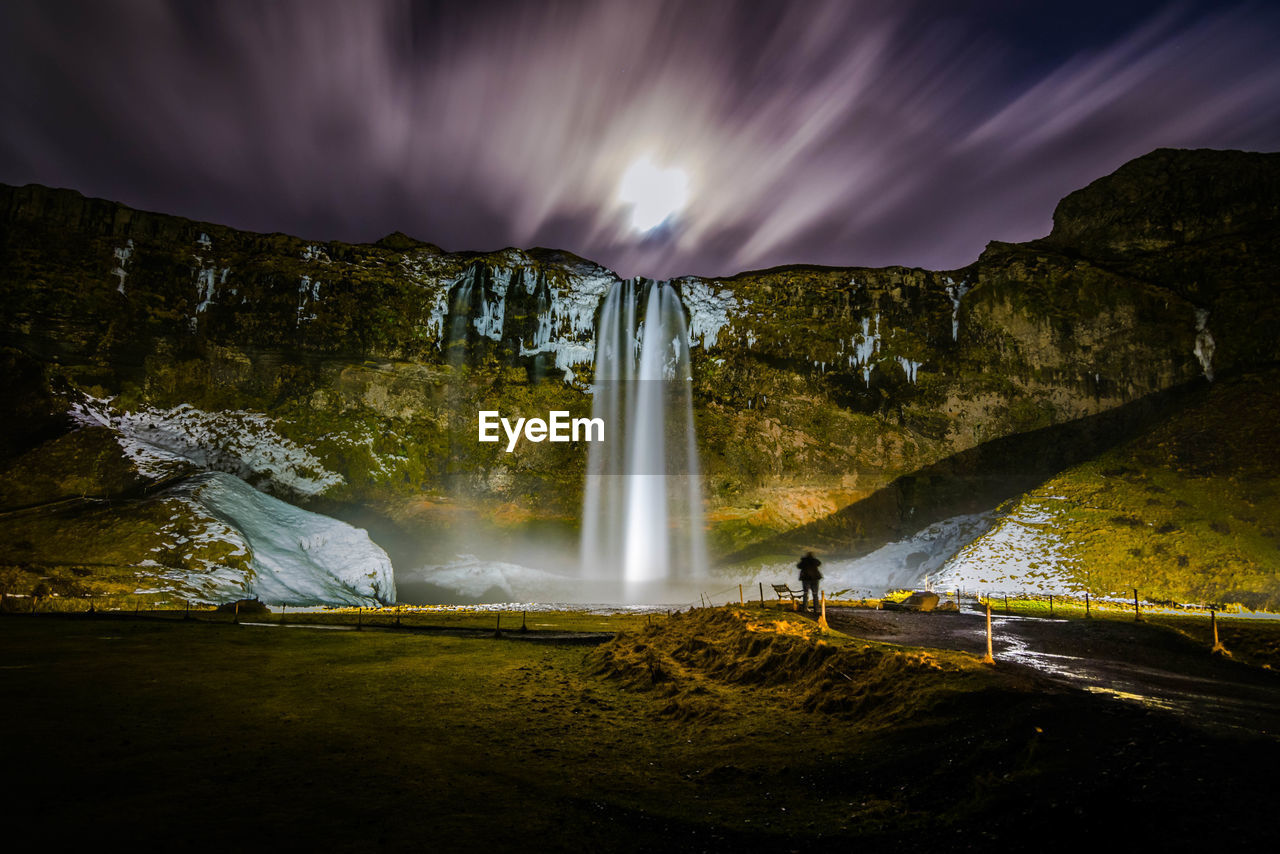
654,194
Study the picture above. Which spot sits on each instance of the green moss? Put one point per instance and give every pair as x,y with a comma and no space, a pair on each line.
1186,513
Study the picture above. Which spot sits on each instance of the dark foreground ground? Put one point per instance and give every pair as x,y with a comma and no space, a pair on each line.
711,732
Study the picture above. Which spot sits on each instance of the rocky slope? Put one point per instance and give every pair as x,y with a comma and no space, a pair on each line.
1188,512
346,378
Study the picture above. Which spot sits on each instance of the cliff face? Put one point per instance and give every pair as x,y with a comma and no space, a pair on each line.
347,377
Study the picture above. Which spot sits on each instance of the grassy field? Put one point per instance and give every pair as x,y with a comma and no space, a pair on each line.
723,729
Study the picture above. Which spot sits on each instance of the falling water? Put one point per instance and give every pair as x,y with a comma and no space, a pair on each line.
642,506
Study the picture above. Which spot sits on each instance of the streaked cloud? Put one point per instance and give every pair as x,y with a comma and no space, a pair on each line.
823,132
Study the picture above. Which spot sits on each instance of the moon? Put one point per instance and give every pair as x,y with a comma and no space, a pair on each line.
654,194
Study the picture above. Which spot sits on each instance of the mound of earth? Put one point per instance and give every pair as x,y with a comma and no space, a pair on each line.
696,656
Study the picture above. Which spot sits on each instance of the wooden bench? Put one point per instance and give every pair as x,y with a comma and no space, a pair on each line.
783,590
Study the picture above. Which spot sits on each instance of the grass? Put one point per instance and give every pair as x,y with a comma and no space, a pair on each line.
768,735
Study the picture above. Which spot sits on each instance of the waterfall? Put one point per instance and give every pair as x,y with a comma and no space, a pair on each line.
642,505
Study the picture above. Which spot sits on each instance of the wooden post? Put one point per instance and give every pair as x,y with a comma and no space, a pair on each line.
283,608
1006,604
1137,614
741,599
359,619
822,621
1087,614
186,611
990,659
235,620
761,594
524,621
1051,606
1217,644
497,626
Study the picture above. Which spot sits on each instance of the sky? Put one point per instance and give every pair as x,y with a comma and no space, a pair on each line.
832,132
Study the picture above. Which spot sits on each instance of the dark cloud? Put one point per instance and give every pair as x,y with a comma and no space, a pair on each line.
819,132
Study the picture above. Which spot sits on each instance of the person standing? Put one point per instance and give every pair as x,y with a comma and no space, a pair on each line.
809,578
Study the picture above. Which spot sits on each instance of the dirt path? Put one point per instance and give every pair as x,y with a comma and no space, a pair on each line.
1136,662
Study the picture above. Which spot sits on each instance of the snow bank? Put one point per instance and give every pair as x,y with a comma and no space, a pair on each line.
297,557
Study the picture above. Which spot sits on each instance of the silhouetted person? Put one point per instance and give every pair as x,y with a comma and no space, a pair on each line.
809,578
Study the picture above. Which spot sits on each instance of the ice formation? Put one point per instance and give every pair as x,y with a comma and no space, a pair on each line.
909,368
710,310
308,296
865,345
122,255
295,557
1204,343
955,293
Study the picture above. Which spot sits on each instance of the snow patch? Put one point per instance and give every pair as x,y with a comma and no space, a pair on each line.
1021,554
161,442
313,252
909,368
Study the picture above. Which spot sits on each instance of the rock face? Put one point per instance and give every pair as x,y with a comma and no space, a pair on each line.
348,377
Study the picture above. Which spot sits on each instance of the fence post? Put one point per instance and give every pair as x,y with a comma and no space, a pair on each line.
1137,614
822,621
236,619
761,583
1087,614
1006,604
1217,645
283,608
360,619
741,599
524,621
990,659
497,626
1051,606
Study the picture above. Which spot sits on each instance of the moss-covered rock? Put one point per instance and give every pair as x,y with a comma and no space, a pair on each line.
814,388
